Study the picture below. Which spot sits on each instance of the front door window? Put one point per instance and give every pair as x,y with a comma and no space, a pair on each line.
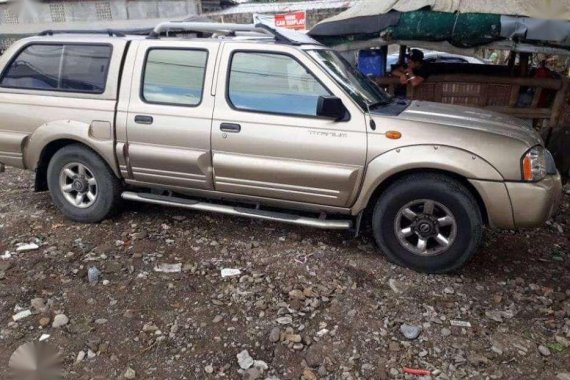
273,83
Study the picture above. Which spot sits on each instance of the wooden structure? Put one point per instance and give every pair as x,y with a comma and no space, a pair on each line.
493,92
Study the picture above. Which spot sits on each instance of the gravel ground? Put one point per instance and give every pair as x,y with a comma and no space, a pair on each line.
308,304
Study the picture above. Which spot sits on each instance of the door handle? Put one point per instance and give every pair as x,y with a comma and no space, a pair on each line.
230,127
142,119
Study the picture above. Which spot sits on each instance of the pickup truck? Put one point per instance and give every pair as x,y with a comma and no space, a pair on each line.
255,121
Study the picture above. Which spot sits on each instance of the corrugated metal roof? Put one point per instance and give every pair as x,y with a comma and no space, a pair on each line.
285,7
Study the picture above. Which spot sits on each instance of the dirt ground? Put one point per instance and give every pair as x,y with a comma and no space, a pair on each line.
308,303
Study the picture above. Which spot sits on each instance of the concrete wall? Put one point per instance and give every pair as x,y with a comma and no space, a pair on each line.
69,11
314,16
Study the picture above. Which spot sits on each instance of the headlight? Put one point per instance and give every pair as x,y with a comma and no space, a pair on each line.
550,164
534,164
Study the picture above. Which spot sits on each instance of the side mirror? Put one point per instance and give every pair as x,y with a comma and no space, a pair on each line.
331,107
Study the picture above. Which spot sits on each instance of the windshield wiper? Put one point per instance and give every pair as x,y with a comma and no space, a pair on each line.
379,104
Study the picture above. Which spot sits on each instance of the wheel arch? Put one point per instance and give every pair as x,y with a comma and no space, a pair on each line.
459,164
382,186
51,137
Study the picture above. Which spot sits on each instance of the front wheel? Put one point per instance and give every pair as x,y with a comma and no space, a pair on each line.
82,186
428,222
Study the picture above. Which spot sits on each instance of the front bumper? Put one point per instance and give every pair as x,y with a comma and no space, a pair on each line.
535,203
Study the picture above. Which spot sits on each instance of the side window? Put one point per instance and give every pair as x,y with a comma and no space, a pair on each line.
174,76
274,83
37,67
84,68
68,68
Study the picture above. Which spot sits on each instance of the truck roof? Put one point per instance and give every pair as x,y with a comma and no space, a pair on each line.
260,32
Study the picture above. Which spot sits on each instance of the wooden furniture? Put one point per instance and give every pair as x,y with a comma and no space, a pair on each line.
497,93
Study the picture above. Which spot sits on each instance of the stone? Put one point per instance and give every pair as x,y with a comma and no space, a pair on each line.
494,315
275,335
21,315
217,319
260,365
296,295
130,374
294,338
245,361
314,356
445,332
93,343
563,376
562,341
38,305
394,346
60,320
45,321
285,320
209,369
410,332
448,291
478,360
395,286
497,348
544,351
309,293
80,357
150,328
309,375
252,374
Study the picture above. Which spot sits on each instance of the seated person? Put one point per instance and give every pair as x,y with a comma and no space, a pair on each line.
415,72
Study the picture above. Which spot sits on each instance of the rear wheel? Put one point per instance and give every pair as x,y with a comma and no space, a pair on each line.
82,186
428,222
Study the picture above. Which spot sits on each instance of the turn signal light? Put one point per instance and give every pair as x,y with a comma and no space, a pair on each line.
393,135
527,168
533,164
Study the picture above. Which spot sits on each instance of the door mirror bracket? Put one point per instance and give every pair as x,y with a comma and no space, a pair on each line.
331,107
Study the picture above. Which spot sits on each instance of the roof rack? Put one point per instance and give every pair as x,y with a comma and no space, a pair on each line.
109,32
260,29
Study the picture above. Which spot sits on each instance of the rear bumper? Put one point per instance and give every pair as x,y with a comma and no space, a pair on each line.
535,203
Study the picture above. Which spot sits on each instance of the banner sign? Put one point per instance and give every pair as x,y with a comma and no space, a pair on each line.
294,20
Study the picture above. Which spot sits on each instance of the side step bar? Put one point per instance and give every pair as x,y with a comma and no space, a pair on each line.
237,211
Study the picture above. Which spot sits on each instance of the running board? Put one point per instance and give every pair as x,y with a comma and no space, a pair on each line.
237,211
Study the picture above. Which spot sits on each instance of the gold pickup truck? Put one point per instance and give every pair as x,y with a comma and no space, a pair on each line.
254,121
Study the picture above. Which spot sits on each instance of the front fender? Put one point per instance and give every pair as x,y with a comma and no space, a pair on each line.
416,157
98,136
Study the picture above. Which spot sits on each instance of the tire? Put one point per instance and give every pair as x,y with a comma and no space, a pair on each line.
67,180
398,231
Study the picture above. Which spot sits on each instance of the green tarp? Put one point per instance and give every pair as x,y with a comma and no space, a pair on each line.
461,29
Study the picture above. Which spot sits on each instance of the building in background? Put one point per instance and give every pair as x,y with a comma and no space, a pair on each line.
20,18
315,10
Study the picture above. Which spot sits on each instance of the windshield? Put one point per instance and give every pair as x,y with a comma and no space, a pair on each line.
360,88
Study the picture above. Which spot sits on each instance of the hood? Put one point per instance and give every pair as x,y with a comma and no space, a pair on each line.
473,119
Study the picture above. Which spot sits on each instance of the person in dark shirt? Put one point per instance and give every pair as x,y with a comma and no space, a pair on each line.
415,72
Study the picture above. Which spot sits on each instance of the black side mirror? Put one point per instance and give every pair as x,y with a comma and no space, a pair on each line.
331,107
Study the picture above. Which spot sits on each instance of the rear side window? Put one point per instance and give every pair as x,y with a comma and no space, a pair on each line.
69,68
273,83
174,76
85,68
